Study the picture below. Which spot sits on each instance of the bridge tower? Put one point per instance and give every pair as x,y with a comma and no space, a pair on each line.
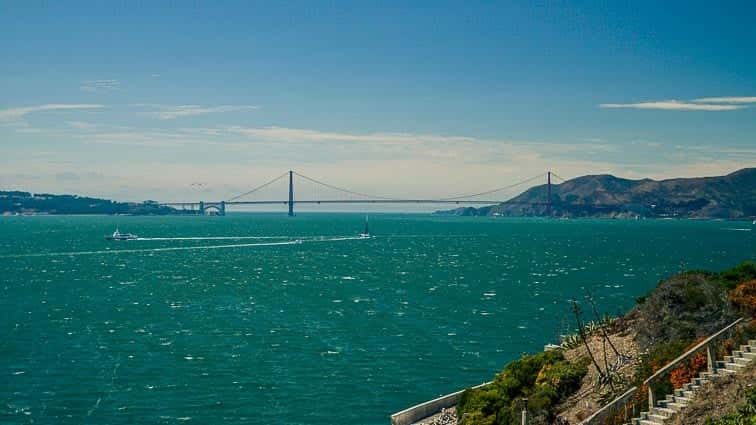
202,208
222,210
291,193
548,202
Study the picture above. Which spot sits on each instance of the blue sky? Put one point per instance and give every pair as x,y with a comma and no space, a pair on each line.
137,100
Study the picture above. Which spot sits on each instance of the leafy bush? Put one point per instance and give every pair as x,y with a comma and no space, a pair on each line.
683,307
743,297
544,379
688,370
738,274
656,358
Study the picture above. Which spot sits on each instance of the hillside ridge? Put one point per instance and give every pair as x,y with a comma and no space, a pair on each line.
732,196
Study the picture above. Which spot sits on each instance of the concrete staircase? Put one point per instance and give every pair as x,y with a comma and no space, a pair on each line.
676,402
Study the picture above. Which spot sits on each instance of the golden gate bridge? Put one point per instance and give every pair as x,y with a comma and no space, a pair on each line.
326,193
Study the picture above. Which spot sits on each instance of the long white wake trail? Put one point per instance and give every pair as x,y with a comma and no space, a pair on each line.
181,248
216,238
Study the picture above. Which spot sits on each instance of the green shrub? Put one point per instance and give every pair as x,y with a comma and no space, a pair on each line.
682,307
657,357
738,274
544,379
745,414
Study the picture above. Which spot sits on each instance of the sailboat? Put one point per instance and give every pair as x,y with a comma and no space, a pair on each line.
365,233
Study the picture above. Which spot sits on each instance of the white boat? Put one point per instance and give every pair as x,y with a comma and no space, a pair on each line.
365,233
118,236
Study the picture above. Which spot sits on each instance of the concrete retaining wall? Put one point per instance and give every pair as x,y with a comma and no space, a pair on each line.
429,408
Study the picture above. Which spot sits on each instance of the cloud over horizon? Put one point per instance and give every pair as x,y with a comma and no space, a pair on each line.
165,112
304,135
672,105
722,103
100,85
155,158
13,114
734,99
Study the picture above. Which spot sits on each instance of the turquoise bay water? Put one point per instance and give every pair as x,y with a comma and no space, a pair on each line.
331,330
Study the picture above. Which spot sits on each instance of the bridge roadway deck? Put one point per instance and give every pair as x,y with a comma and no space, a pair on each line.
354,201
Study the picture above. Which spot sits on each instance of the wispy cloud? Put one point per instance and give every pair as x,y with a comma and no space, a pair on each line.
100,85
165,112
13,114
673,105
392,163
732,99
82,125
307,135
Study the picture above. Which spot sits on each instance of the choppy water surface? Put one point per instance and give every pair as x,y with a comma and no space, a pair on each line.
198,325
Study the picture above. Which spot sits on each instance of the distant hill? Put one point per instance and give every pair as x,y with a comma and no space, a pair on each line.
15,202
731,197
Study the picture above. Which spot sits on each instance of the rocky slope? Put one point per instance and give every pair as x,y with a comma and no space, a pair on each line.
730,197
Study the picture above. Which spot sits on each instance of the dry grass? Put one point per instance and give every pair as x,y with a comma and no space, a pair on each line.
588,398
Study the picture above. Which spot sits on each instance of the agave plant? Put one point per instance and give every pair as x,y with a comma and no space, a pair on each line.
570,341
592,327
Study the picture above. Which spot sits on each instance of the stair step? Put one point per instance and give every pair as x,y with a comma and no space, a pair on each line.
668,405
682,397
662,411
676,399
717,375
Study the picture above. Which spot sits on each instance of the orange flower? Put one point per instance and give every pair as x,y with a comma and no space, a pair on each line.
685,373
744,297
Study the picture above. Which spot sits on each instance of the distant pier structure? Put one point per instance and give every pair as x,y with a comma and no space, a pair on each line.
212,208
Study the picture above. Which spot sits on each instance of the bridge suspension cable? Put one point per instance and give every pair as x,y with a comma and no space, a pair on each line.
387,198
369,198
341,189
472,195
558,177
262,186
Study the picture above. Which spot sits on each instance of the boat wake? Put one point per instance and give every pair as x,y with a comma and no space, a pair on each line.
217,238
186,248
